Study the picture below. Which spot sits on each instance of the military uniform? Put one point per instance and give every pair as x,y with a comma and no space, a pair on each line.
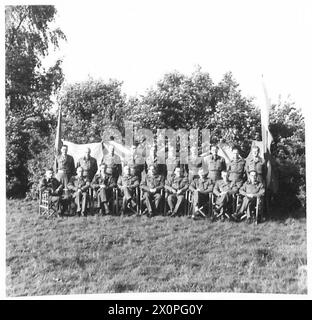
201,187
214,165
152,182
257,164
224,190
54,188
81,199
114,163
193,166
64,168
236,170
89,166
257,190
173,184
128,184
103,195
136,162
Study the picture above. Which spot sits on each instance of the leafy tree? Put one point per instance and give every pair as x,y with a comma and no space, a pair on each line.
288,130
179,101
90,107
28,87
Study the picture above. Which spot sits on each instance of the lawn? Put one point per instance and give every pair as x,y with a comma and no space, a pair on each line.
74,255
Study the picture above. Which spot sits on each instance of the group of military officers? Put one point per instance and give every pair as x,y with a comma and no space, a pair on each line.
207,175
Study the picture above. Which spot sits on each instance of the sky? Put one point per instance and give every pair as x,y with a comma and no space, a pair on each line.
137,42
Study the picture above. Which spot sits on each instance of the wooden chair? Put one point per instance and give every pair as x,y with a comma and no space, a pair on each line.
46,207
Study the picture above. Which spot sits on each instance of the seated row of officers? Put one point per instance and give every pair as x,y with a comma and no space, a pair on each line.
208,176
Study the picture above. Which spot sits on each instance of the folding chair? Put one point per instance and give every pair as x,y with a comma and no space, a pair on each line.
141,198
118,198
255,211
203,208
46,207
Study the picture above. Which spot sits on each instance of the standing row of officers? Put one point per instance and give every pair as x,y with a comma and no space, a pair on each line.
81,183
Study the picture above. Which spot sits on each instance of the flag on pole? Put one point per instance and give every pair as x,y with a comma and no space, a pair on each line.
271,178
58,141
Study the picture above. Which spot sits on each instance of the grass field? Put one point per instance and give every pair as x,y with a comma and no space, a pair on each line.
136,254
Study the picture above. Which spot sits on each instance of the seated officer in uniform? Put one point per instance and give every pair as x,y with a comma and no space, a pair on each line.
103,184
256,163
224,189
201,187
54,188
88,164
79,186
128,183
151,186
251,190
214,164
64,166
176,186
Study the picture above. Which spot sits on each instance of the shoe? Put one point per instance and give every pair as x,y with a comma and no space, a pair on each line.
248,220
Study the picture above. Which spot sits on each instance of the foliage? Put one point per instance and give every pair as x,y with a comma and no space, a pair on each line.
288,129
28,87
89,107
187,102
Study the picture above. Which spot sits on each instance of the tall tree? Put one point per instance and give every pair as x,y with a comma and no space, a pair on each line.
29,38
90,107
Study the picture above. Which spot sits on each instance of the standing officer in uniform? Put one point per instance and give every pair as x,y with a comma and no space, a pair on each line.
103,184
64,166
54,189
176,186
256,163
214,164
151,186
201,187
194,163
128,183
236,170
88,164
136,160
112,160
251,190
79,185
224,189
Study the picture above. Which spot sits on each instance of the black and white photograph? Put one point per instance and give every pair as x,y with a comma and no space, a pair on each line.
156,148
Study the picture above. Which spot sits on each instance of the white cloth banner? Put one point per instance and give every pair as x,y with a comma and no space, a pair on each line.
77,151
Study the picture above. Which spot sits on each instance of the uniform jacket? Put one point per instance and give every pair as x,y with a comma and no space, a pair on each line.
113,162
236,169
52,185
108,180
152,182
128,181
66,164
255,164
222,186
204,185
214,165
256,188
177,183
89,166
75,183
